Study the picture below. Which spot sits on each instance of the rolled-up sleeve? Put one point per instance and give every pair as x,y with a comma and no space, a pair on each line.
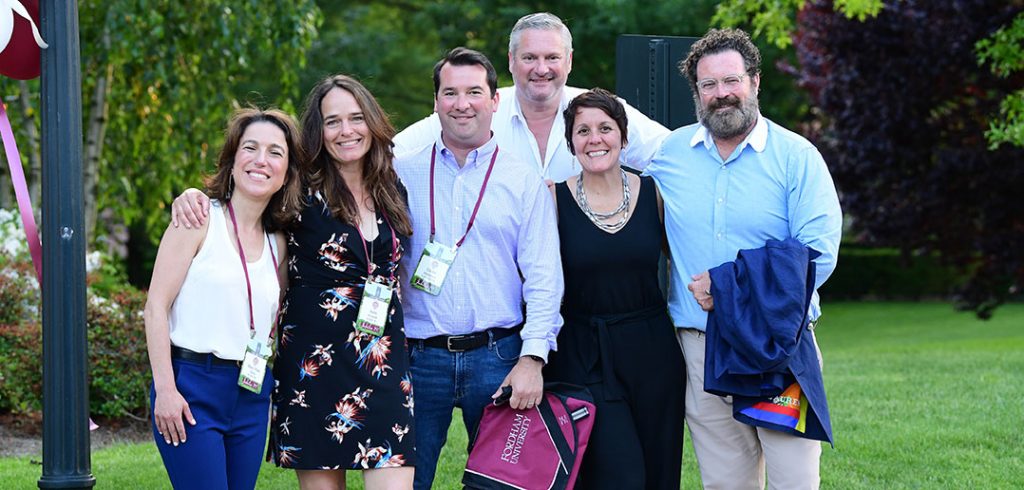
540,263
644,137
417,135
815,217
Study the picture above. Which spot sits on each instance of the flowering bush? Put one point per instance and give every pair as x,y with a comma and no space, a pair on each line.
118,364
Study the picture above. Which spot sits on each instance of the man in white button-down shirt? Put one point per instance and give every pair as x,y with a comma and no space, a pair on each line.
529,119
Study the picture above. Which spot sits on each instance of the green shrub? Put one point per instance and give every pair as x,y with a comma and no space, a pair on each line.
21,372
119,372
118,364
21,368
883,273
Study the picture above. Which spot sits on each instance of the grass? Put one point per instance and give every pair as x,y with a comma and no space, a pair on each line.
921,397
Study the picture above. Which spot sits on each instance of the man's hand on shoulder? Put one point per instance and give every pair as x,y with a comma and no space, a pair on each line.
190,208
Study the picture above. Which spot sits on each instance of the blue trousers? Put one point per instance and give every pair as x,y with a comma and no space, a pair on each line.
224,449
444,380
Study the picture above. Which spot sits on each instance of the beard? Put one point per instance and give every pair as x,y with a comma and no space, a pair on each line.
730,123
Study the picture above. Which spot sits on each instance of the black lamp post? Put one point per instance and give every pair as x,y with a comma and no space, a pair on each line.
65,395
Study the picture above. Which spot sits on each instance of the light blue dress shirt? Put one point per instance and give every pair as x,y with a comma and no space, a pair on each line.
514,136
515,232
774,185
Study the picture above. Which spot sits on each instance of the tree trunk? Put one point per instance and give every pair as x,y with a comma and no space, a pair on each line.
94,145
35,159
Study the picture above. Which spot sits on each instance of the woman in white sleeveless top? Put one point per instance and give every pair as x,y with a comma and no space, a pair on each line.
212,304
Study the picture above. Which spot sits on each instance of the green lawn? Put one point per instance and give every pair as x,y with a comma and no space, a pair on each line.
921,397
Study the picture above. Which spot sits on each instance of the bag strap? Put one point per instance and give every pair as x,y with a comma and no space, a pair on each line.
565,453
472,480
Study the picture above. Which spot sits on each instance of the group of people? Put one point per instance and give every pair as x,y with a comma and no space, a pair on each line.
497,243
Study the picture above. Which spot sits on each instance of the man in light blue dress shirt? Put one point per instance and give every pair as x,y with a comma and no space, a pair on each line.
731,182
468,192
528,122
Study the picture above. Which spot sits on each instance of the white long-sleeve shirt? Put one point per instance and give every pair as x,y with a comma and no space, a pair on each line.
513,135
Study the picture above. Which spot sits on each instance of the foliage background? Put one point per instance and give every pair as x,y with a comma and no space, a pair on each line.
161,76
118,363
918,106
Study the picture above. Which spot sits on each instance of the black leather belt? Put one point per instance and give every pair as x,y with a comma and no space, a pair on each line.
201,357
462,343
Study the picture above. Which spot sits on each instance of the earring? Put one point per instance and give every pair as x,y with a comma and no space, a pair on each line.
231,187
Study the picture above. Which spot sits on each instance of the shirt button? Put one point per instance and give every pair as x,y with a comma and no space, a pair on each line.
721,200
719,235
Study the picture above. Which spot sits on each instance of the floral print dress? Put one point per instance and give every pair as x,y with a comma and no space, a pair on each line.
343,398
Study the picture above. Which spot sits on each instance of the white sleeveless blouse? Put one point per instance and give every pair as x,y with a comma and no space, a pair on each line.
211,311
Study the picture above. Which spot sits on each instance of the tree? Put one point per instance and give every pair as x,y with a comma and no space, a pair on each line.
391,45
159,78
905,111
1003,50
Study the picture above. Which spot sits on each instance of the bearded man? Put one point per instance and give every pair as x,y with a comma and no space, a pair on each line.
731,182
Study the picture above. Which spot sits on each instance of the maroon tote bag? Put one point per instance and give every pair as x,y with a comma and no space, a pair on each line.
537,448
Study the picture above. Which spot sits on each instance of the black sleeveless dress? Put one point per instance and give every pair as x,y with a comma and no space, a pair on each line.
619,342
343,398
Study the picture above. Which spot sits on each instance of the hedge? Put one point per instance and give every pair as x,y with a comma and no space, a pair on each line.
119,368
884,273
118,364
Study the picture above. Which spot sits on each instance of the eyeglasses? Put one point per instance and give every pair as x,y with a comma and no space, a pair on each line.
710,85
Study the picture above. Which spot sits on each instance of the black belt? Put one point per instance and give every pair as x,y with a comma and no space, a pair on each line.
201,357
462,343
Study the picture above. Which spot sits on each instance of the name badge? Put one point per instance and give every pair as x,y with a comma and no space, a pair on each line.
254,365
433,267
373,309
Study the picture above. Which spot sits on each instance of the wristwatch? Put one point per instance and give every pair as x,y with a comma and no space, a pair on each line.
536,358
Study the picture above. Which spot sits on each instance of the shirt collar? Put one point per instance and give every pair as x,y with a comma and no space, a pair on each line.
757,139
473,158
517,110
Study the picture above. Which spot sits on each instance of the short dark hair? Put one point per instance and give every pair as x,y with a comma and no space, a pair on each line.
286,203
595,98
717,41
462,56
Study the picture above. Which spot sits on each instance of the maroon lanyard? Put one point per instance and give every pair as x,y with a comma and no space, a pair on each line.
370,266
245,269
472,217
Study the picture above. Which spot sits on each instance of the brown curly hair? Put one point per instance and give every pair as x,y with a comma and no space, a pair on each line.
717,41
286,203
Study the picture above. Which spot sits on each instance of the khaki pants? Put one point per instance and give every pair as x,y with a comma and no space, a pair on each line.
733,455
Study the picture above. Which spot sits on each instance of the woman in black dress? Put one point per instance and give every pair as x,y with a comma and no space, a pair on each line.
617,340
344,398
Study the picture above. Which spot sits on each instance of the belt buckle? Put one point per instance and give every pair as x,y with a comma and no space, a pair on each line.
457,338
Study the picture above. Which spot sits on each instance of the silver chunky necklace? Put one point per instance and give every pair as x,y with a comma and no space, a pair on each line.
599,218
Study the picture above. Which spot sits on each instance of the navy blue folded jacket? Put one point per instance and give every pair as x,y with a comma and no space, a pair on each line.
756,333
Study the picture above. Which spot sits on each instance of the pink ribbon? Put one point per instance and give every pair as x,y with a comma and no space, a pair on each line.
21,193
28,221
